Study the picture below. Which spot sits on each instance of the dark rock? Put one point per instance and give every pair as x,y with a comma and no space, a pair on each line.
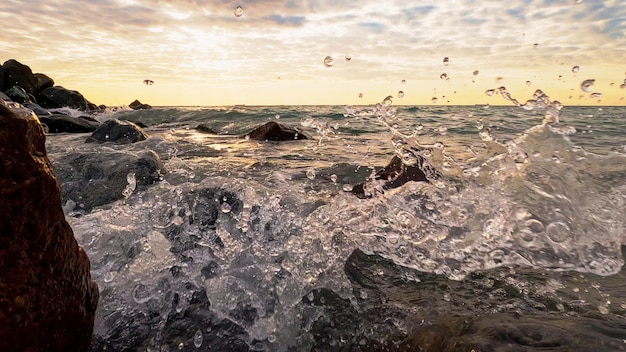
58,123
43,82
16,74
98,178
59,97
47,298
206,129
2,79
18,94
4,97
102,107
396,173
137,105
273,131
38,110
118,132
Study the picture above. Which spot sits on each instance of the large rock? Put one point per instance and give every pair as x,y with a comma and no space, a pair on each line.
92,179
18,95
118,132
273,131
58,123
59,97
47,298
38,110
43,81
137,105
17,74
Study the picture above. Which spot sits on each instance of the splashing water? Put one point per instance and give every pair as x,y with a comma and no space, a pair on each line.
587,85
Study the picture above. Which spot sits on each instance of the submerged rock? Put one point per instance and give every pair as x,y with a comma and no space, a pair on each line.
47,298
274,131
137,105
92,179
118,132
58,123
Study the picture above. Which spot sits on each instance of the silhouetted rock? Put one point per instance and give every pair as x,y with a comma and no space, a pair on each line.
59,97
118,132
98,178
17,74
43,82
18,95
137,105
273,131
58,123
395,174
47,298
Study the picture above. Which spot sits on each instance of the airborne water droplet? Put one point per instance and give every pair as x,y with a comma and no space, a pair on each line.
587,85
575,69
433,100
225,207
388,100
595,95
347,188
348,57
446,61
400,94
328,61
403,81
443,76
360,95
475,73
489,92
529,83
333,178
238,11
197,339
310,173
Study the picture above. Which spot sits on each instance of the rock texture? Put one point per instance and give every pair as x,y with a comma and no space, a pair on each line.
273,131
47,298
118,132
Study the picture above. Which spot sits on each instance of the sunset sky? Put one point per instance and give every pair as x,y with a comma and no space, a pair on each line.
199,53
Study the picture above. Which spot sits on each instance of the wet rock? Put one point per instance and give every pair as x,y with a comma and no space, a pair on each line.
98,178
274,131
43,81
395,174
38,110
118,132
58,123
19,95
59,97
47,298
137,105
17,74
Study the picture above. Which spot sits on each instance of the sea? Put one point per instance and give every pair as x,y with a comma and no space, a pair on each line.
247,245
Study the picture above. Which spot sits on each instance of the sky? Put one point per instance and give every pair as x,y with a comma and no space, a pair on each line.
199,53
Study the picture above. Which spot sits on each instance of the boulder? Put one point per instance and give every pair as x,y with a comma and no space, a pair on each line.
47,298
395,174
137,105
38,110
16,74
274,131
43,82
118,132
97,178
18,95
59,97
58,123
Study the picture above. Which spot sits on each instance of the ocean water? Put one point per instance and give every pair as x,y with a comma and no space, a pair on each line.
249,245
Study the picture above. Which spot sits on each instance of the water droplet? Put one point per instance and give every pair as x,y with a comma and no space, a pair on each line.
587,85
197,339
181,346
360,95
225,207
106,136
576,2
363,294
475,73
575,69
429,205
446,61
388,100
535,225
333,178
277,116
328,61
489,92
238,11
310,173
109,276
529,83
558,232
403,81
623,85
433,100
400,94
443,76
347,188
310,297
348,57
595,95
603,309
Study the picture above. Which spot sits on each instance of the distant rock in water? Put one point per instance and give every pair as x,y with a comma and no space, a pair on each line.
205,129
93,179
58,123
47,298
118,132
137,105
395,174
59,97
273,131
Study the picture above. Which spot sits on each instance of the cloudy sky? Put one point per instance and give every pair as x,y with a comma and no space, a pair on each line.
199,53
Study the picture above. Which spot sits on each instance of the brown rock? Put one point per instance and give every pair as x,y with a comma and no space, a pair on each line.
47,298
